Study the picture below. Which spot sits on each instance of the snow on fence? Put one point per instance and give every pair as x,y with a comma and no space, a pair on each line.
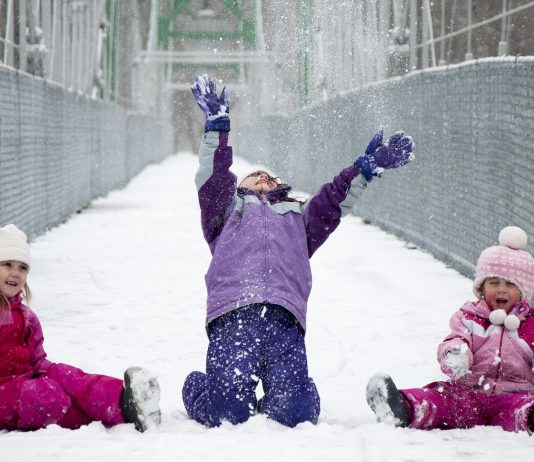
59,150
473,126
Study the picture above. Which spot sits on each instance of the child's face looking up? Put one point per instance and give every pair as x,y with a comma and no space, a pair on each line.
500,293
260,182
13,276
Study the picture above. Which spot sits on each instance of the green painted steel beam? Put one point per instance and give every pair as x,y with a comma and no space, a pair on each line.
204,34
112,14
179,66
231,7
249,31
305,45
179,7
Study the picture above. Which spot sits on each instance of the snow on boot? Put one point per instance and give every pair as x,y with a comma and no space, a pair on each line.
140,399
387,402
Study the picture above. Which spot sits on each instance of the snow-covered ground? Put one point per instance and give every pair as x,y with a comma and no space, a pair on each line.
121,284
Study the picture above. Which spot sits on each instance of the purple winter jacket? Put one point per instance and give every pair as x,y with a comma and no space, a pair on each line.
500,361
261,244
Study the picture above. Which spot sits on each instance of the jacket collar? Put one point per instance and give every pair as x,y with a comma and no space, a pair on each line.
277,195
16,301
481,308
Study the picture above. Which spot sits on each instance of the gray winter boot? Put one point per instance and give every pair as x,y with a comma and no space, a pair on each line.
140,399
387,402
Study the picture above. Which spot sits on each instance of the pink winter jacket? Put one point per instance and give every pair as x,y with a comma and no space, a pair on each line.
21,343
500,361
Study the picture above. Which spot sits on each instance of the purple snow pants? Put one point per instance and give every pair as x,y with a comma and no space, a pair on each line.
63,395
253,343
449,405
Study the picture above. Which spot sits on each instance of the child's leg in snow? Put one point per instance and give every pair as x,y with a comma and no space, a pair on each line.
93,397
227,390
511,411
291,396
32,403
445,405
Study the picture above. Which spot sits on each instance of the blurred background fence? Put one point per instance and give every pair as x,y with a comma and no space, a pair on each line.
91,91
59,150
473,126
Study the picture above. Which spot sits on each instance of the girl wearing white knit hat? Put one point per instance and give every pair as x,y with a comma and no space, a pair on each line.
35,392
488,355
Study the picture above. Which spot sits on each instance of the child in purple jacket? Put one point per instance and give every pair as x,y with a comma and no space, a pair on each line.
259,278
35,392
488,355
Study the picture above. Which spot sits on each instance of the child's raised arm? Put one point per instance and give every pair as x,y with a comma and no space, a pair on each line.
216,184
336,199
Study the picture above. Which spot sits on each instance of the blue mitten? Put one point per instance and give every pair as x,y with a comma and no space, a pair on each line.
379,156
215,108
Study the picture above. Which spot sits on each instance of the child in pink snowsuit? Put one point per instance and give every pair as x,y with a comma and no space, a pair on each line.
488,355
35,392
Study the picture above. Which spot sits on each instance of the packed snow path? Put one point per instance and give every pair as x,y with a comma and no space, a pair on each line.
121,284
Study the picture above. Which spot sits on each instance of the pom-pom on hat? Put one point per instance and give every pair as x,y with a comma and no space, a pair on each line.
14,245
507,261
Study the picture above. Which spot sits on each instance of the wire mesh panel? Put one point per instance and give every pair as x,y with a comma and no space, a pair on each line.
59,150
473,127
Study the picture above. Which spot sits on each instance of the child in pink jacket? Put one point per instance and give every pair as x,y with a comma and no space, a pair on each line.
488,355
35,392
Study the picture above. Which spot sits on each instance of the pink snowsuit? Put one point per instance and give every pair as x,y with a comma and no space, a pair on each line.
35,392
498,390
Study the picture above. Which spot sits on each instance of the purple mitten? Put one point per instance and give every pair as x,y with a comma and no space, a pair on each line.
215,108
397,151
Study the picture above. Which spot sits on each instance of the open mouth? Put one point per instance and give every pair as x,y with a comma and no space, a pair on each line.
501,301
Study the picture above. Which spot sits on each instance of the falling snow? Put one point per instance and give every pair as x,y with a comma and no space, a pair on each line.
121,284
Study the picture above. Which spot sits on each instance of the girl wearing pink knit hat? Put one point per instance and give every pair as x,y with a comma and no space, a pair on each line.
488,355
35,392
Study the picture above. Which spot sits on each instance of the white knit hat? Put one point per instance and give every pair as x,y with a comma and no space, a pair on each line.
507,261
14,245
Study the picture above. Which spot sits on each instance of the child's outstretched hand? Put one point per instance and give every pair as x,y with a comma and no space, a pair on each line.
215,108
379,156
456,363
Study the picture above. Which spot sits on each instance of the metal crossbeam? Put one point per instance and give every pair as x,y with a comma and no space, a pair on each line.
196,57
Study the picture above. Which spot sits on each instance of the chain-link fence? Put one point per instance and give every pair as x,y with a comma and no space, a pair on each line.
59,150
473,127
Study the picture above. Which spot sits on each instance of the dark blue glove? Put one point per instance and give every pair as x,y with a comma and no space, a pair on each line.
397,151
215,108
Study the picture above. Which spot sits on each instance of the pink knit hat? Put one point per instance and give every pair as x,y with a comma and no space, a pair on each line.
507,261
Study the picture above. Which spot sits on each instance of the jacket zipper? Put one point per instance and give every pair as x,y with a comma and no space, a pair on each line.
264,206
499,366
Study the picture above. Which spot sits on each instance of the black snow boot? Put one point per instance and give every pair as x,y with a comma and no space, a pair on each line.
140,399
530,421
387,402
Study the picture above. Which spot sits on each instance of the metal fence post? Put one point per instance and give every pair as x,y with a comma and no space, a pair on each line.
503,44
469,54
22,35
413,35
